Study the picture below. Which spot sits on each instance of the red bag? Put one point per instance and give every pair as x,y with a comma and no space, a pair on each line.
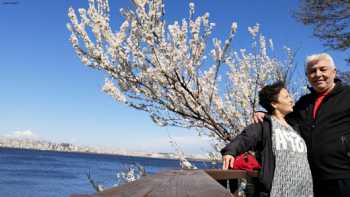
246,161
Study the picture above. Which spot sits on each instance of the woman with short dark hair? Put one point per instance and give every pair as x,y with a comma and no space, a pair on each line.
285,169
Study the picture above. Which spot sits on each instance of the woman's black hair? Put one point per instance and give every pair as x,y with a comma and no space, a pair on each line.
269,94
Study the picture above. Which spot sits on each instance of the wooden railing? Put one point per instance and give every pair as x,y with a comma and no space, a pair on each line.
179,183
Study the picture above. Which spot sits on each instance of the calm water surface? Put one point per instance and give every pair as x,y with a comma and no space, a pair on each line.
31,173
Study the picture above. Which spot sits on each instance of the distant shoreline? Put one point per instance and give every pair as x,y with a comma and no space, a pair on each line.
39,144
106,154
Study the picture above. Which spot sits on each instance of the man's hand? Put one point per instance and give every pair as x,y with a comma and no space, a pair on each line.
228,161
258,117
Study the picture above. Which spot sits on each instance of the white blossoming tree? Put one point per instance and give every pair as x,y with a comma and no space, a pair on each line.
170,71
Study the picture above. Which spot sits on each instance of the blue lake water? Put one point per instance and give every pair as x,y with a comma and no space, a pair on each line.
29,173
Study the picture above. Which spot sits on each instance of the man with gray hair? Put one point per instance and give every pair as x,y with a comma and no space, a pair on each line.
320,71
323,117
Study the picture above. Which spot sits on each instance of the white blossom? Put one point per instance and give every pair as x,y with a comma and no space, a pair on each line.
234,27
271,43
113,91
140,3
254,30
170,71
191,5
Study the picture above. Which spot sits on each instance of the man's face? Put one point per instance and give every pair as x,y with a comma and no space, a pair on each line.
321,75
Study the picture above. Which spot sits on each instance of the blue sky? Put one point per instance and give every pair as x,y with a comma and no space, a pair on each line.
45,90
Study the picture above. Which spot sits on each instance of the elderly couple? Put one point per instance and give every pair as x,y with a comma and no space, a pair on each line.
304,148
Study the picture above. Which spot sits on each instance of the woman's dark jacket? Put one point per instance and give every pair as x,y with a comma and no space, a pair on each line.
256,137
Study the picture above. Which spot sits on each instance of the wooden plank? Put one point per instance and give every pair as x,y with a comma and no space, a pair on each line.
191,183
230,174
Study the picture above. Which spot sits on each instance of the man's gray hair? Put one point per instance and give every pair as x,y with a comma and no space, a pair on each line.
312,59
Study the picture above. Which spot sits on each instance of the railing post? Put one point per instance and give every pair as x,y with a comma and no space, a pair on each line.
238,182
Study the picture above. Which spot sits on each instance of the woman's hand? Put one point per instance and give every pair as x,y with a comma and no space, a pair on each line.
258,117
228,161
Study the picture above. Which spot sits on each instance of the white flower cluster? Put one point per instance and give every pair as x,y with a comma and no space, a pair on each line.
132,173
184,163
165,69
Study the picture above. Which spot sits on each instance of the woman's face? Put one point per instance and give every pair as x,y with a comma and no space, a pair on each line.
284,102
